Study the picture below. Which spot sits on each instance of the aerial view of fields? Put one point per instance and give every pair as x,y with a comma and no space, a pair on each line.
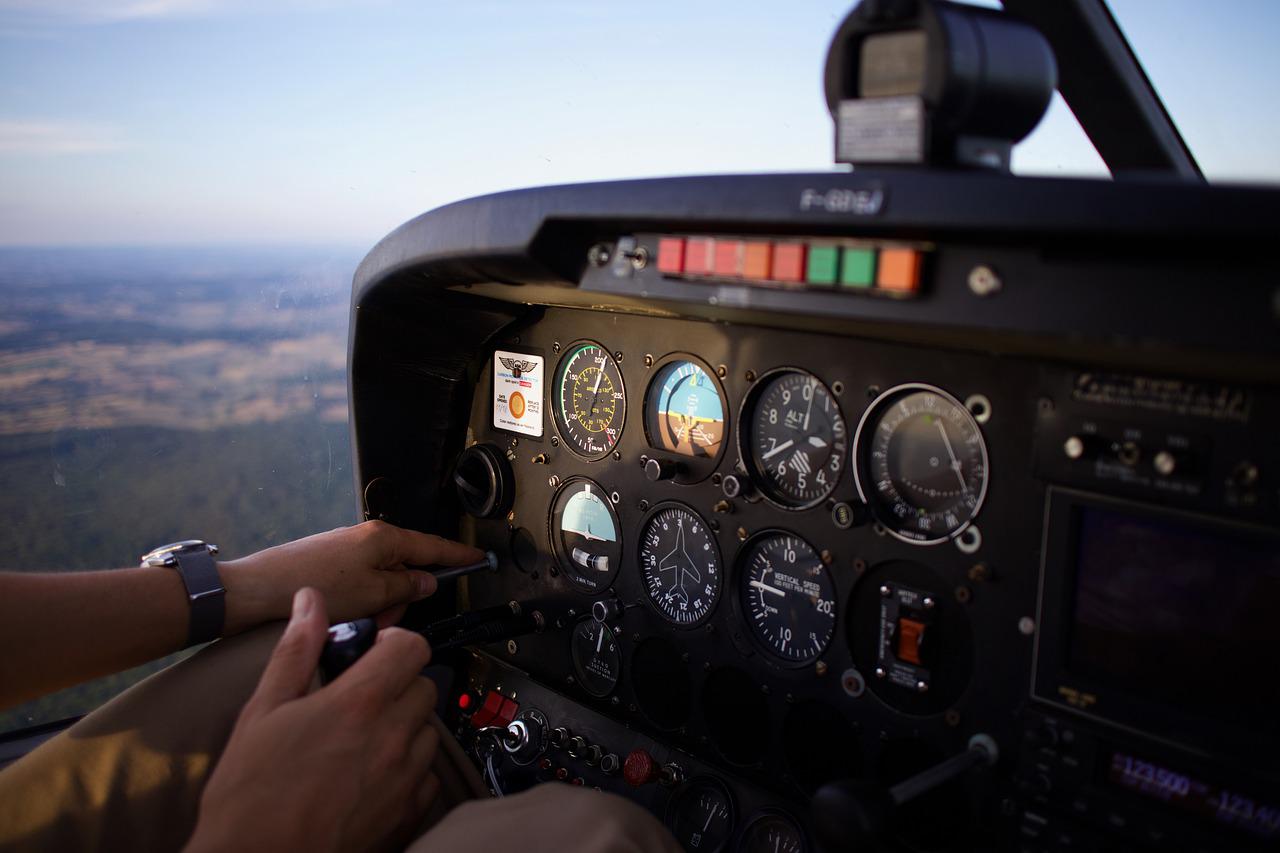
151,395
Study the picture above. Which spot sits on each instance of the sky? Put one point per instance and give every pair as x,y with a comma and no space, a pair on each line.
135,122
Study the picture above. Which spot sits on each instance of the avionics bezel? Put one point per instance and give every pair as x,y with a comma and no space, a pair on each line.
1148,717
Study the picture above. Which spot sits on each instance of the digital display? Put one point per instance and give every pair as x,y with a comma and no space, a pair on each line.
1179,614
1194,795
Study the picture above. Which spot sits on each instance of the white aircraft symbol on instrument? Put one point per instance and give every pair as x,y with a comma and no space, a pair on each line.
671,563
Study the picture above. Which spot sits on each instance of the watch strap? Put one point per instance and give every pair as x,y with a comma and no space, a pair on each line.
204,593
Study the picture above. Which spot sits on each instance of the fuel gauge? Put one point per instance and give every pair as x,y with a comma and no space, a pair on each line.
700,816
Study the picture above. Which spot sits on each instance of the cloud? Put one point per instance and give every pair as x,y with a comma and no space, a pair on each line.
56,137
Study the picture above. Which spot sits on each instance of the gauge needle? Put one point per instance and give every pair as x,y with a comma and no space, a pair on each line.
773,589
600,640
779,448
710,815
955,463
595,392
817,441
809,408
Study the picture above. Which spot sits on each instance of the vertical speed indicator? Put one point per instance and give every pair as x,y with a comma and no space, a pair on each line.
792,438
787,596
590,401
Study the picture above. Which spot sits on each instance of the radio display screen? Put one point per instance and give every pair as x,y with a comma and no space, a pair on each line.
1178,613
1194,796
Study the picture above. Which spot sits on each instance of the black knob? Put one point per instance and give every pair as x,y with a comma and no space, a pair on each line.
606,609
660,469
577,746
593,755
484,482
735,485
609,764
558,737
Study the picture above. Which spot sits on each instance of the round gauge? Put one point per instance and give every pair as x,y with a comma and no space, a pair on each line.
680,564
590,402
585,535
792,438
595,657
684,411
921,463
773,832
700,816
787,596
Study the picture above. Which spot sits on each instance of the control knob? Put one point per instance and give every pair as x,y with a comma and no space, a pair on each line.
660,469
640,768
577,746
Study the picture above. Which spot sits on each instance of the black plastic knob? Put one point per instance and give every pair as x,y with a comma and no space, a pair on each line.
577,746
660,469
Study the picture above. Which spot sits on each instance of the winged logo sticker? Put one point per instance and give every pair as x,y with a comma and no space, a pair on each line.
517,366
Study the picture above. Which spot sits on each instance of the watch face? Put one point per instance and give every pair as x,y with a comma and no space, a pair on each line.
164,555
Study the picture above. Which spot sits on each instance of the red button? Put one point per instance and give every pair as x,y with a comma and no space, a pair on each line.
640,768
788,262
562,773
488,711
728,262
506,713
464,701
699,255
671,255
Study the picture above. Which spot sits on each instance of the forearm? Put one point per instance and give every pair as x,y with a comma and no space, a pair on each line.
62,628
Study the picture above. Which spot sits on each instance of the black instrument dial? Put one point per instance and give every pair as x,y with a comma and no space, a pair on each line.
680,564
773,832
921,463
792,438
596,658
700,816
590,401
585,535
787,596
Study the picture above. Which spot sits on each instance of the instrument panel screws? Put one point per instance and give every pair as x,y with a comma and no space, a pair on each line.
598,255
789,699
885,591
764,688
540,459
922,687
979,406
715,479
617,456
979,572
555,346
826,557
750,376
928,602
644,505
684,657
555,442
617,356
952,717
553,480
859,565
714,525
512,648
820,668
648,359
983,281
742,534
1026,626
1045,405
722,505
963,594
569,679
880,673
511,517
873,391
614,700
615,497
723,370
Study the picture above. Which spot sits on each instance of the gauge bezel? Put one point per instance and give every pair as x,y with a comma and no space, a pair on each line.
556,399
771,656
715,543
762,485
760,815
557,547
691,785
577,668
696,468
873,410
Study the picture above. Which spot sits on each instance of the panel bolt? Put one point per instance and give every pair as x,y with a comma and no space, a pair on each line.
750,376
928,602
598,255
553,480
512,648
820,668
1026,626
648,360
880,673
885,591
723,370
922,687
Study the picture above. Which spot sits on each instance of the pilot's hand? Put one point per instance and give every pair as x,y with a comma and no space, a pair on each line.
359,570
347,767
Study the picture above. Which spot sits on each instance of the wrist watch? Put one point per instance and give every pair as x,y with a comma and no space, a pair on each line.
194,561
